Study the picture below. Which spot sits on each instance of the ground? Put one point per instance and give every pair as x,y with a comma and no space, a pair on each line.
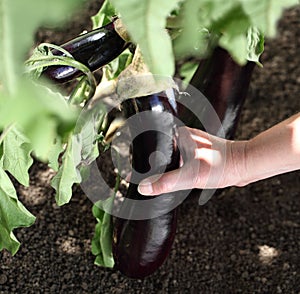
244,240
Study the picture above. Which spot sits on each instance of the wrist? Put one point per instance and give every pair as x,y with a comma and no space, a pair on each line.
238,151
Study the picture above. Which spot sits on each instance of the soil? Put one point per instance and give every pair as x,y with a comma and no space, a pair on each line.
244,240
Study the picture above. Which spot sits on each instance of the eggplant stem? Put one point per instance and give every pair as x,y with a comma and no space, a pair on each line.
56,47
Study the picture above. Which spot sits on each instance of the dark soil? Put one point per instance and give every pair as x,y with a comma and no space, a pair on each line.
244,240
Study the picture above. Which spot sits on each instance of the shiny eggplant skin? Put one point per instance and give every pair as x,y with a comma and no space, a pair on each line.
94,49
225,84
141,246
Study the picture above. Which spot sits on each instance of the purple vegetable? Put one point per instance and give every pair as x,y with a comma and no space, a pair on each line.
225,84
94,49
141,246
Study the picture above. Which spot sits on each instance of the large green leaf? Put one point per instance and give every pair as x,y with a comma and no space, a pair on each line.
145,21
233,27
12,214
40,113
197,17
266,13
82,149
16,155
236,25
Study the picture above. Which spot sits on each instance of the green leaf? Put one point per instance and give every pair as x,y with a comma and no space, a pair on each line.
145,21
86,132
81,93
16,155
41,114
96,248
102,240
67,174
12,214
228,23
114,68
197,18
255,47
99,260
98,213
265,14
236,46
187,70
106,240
104,15
82,149
232,28
53,155
87,138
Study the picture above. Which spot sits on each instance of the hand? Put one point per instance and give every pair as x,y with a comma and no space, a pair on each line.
207,162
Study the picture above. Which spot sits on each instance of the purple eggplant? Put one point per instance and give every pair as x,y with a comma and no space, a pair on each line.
140,246
94,49
225,84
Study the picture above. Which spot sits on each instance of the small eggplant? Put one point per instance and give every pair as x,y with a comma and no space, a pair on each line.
94,49
225,84
140,246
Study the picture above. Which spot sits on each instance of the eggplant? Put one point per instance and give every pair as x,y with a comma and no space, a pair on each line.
94,49
225,84
140,246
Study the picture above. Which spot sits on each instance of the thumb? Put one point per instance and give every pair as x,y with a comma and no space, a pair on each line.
168,182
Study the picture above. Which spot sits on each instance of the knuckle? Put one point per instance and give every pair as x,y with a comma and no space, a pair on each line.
161,186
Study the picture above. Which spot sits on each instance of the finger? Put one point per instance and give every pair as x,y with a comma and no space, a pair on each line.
128,177
179,179
198,132
186,144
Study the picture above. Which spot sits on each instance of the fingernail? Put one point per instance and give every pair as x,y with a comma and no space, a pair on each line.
145,188
128,177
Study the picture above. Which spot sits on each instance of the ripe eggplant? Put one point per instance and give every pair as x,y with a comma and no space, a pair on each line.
140,246
94,49
225,84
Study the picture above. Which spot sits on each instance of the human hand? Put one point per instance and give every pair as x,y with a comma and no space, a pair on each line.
208,162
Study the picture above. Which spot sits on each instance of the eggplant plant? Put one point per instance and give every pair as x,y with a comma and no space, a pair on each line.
224,41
